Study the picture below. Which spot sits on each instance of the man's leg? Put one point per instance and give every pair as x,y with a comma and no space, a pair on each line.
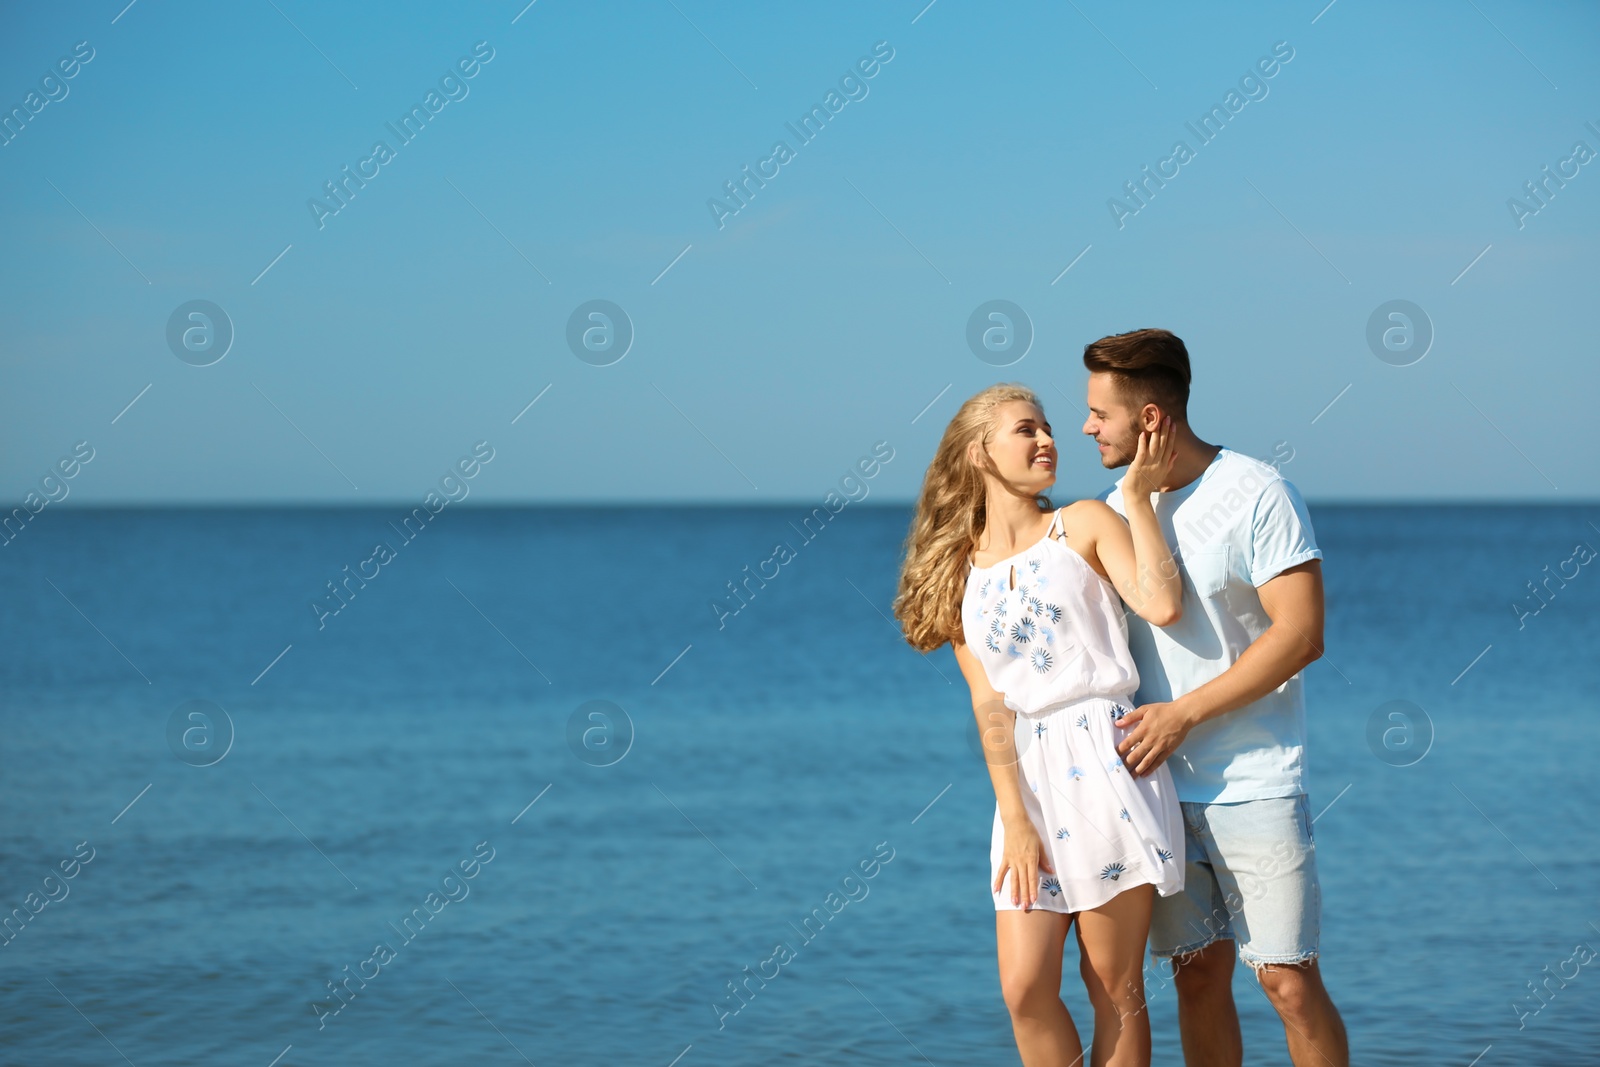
1207,1015
1265,861
1193,929
1310,1021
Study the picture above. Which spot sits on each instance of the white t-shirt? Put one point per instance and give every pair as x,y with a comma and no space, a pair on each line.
1231,529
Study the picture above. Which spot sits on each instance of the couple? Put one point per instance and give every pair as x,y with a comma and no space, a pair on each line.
1147,760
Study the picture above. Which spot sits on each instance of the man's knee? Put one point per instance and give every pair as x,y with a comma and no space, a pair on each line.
1295,989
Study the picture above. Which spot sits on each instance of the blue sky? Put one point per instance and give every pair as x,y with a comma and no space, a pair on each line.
830,312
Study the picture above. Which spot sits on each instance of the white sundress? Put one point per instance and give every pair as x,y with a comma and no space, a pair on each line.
1053,640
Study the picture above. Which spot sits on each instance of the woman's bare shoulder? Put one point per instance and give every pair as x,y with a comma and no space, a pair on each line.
1087,515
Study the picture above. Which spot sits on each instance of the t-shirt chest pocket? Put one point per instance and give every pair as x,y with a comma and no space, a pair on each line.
1207,569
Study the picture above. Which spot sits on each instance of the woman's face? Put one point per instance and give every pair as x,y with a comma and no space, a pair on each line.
1021,447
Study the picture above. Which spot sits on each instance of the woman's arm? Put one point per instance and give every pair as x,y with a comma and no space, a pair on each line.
1135,555
1024,854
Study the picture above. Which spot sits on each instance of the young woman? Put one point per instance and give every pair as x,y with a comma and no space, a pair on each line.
1028,598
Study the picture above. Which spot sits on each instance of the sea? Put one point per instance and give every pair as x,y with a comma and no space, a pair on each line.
534,785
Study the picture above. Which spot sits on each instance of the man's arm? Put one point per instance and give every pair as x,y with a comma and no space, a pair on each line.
1293,601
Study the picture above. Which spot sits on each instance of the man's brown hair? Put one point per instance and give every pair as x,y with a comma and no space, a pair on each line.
1147,366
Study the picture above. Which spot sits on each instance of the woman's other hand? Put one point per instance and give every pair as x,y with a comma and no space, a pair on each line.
1024,855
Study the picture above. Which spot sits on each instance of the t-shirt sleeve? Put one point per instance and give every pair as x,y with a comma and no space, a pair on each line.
1280,532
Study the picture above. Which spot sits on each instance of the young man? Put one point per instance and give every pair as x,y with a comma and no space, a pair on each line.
1221,701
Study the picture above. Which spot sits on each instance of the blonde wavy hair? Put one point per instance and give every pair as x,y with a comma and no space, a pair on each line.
950,515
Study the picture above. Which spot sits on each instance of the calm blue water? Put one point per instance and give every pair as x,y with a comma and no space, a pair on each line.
768,758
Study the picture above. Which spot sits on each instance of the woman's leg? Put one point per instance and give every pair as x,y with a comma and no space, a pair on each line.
1030,944
1111,942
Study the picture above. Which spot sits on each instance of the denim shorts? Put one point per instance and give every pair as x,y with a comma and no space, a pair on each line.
1250,876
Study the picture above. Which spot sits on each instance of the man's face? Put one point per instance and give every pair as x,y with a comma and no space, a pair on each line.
1111,422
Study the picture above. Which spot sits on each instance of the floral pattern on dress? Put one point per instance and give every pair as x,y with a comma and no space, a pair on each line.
1018,617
